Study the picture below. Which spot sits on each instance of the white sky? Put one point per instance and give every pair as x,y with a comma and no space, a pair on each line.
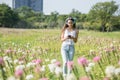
66,6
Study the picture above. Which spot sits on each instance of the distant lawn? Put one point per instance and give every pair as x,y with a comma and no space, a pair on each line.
27,33
50,38
112,35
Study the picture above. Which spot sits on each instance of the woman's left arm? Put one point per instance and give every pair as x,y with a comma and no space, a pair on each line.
76,37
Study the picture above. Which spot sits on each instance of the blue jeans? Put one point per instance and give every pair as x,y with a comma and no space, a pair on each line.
67,52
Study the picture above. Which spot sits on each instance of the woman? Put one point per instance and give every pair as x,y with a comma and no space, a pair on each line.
69,36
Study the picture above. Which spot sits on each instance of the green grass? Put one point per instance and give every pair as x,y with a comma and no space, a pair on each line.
111,35
49,40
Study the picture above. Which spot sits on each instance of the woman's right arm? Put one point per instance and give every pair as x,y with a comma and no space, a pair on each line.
62,37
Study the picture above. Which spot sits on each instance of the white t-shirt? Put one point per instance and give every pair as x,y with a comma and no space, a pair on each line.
69,41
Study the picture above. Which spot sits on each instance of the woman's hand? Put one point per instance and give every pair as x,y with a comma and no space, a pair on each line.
71,37
75,38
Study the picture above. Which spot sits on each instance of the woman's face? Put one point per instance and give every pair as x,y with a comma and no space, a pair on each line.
70,23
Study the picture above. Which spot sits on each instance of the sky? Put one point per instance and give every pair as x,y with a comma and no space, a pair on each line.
66,6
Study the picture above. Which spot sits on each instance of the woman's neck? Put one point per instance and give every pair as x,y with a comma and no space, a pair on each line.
70,28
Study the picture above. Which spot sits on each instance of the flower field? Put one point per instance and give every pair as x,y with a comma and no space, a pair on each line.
34,54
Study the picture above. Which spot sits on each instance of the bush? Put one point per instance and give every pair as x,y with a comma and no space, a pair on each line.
86,25
92,26
40,25
79,25
23,24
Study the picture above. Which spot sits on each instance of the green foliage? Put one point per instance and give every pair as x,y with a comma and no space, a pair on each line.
40,25
52,20
8,18
103,11
92,26
79,25
86,25
78,15
101,17
24,24
25,12
28,17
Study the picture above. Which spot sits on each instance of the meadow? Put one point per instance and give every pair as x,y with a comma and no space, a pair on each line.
34,54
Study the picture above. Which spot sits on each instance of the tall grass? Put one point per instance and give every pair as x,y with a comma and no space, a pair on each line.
30,53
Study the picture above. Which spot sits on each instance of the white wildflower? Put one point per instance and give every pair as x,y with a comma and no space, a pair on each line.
53,61
24,53
43,68
91,64
52,67
88,69
47,60
30,64
71,77
15,61
20,67
29,77
117,71
4,69
110,71
91,51
11,78
58,70
21,62
19,51
6,58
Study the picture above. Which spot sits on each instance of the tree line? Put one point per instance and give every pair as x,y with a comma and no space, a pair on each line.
103,16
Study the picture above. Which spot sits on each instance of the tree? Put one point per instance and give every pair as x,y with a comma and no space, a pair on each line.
8,17
83,17
76,14
103,11
24,12
52,20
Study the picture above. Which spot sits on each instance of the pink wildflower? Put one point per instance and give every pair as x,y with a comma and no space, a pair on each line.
82,61
8,51
19,72
96,59
37,61
70,64
57,63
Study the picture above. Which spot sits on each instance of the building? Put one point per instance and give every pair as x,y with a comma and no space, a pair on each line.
36,5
